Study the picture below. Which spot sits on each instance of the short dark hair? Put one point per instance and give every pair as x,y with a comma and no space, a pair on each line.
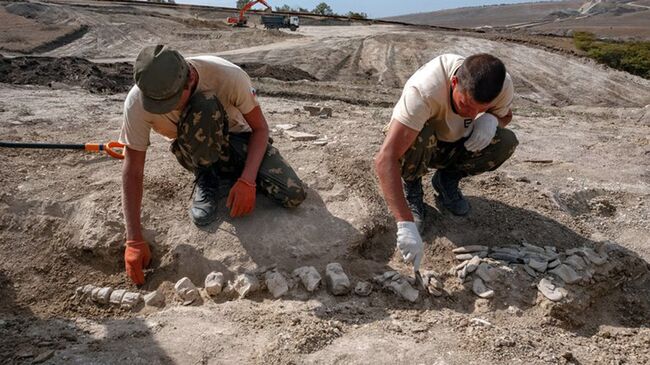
481,76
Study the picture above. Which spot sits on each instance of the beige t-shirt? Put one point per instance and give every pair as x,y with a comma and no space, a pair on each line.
227,81
426,96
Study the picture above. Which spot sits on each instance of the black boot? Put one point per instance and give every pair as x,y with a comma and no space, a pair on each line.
204,203
445,182
415,199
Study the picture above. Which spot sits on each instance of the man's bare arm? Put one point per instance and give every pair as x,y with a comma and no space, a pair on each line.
398,140
256,144
132,186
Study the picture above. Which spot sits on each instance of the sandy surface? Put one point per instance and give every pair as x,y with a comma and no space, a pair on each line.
580,177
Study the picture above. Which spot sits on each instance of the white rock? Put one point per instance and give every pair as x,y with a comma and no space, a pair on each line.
464,256
337,282
566,273
214,283
285,127
186,290
479,288
87,290
154,299
116,296
300,136
472,265
245,284
94,294
129,300
469,249
402,287
550,291
363,289
276,283
104,295
309,277
538,265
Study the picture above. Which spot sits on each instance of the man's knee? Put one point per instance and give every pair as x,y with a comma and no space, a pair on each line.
294,197
507,143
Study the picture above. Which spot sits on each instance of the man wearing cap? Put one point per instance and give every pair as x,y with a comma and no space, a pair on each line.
451,116
208,108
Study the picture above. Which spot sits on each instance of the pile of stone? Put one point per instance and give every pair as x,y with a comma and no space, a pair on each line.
556,268
106,295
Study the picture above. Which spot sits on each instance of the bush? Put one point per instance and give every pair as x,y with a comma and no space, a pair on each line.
632,57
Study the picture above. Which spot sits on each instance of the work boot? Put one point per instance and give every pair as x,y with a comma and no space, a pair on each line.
445,182
204,203
415,200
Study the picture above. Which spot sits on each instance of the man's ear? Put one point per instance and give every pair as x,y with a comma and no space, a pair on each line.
454,81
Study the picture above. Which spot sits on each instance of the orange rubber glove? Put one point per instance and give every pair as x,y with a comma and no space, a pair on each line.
136,257
241,199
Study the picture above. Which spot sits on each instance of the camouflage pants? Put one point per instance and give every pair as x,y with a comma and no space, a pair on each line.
428,152
203,141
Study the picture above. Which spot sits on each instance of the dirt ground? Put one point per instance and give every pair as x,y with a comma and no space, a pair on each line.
579,178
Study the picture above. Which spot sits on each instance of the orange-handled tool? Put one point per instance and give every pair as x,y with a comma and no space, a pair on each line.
112,148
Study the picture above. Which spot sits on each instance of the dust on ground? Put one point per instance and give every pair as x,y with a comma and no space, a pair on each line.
580,178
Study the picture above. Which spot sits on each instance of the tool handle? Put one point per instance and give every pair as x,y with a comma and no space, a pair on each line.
42,145
113,148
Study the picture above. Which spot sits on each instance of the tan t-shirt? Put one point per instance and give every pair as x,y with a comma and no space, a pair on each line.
227,81
427,96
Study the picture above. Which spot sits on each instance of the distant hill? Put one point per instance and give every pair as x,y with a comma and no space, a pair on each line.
622,19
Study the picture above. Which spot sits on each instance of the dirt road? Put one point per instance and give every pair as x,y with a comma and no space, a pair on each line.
579,178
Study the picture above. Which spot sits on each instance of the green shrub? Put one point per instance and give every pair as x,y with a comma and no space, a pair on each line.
632,57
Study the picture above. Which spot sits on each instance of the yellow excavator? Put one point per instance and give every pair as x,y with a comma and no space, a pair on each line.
241,20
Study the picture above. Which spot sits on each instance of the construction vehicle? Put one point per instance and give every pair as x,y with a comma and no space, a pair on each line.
241,20
281,21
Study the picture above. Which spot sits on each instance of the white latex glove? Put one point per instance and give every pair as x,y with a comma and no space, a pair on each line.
485,127
409,243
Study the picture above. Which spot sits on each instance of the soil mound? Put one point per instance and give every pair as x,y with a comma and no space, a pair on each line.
278,72
96,78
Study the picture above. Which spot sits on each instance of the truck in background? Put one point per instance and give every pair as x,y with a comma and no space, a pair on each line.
281,21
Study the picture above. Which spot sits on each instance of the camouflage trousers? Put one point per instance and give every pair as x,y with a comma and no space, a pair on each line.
428,152
203,141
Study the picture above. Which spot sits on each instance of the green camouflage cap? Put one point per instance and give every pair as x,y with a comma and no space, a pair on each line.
160,73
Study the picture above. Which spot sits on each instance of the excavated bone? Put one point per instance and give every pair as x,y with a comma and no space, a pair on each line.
464,256
130,299
592,256
576,262
116,296
337,281
214,283
154,299
276,283
245,284
104,295
538,265
485,272
550,291
363,289
554,263
461,265
186,290
309,277
566,273
469,249
472,265
530,271
479,288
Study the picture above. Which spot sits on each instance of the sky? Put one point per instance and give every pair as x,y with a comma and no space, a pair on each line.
374,9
